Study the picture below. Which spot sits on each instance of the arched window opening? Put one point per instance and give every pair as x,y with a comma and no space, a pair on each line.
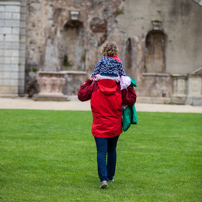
155,52
73,51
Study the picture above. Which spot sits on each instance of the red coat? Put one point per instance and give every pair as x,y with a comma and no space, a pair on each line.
106,99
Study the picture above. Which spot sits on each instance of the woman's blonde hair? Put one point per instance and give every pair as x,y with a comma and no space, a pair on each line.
110,49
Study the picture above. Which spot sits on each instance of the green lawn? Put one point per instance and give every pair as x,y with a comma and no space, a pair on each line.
51,156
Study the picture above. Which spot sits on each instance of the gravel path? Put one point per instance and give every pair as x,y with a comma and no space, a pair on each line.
25,103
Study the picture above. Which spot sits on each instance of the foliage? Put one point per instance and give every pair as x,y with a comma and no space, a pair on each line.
156,20
51,156
66,62
31,69
83,57
120,11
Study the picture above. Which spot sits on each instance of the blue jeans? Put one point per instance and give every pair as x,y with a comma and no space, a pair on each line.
106,147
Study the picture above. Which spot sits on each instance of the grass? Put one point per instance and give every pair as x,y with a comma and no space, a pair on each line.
51,156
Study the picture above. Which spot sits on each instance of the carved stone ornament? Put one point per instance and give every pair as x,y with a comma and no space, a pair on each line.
74,15
51,86
156,24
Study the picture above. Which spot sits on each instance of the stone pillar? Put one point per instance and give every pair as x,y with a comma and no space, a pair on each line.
12,47
194,90
179,88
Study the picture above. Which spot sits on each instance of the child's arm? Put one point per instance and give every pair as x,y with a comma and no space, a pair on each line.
97,68
121,70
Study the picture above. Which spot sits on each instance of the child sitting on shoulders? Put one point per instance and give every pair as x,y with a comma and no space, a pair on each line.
110,64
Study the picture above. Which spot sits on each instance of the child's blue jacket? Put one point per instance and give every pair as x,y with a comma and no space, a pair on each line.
108,66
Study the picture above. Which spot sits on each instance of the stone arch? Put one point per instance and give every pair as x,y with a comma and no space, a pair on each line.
73,46
155,52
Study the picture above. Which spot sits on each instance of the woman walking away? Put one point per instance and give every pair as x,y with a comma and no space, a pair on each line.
106,100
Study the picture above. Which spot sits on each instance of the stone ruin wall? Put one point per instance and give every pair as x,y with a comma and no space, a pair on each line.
57,43
54,42
180,38
46,23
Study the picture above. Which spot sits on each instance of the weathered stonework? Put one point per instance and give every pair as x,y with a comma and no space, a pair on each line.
188,88
175,54
67,35
180,85
58,35
195,88
51,86
74,79
12,47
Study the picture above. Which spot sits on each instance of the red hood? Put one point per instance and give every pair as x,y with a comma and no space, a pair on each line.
115,57
107,86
